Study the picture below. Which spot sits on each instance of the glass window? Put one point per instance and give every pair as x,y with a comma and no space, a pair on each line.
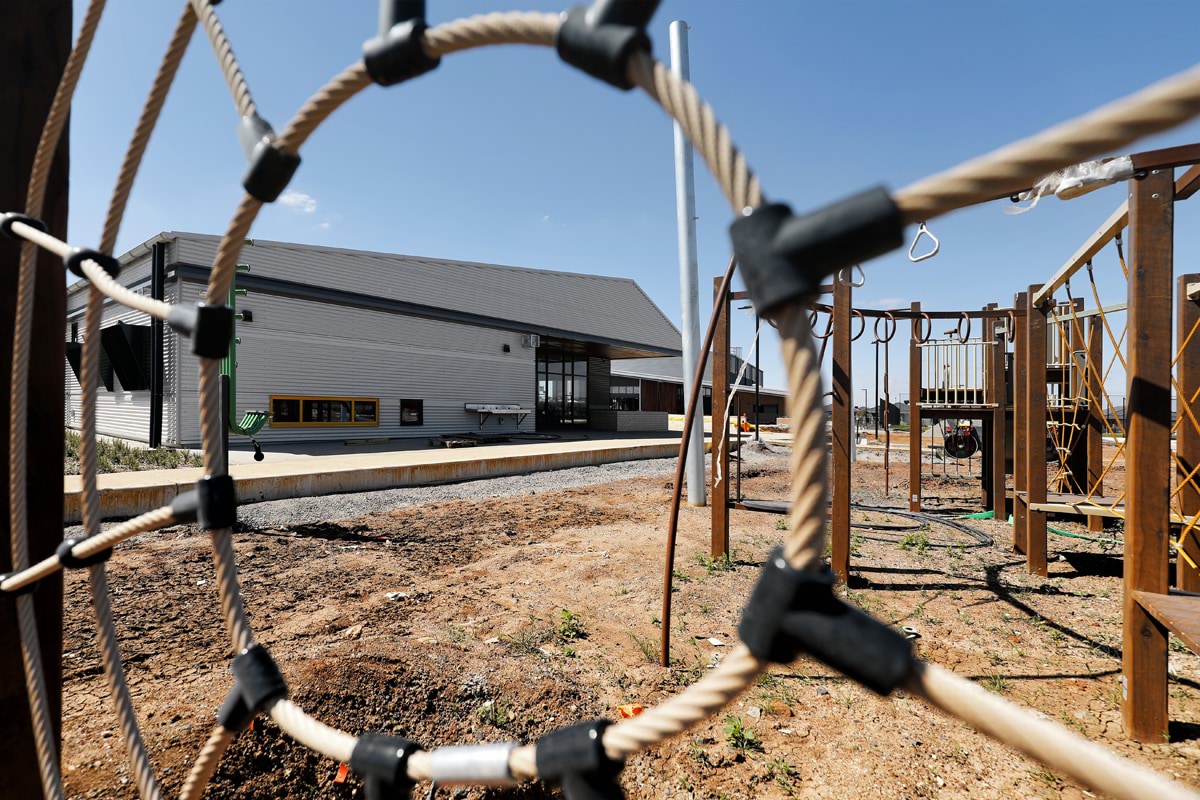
366,411
412,412
309,411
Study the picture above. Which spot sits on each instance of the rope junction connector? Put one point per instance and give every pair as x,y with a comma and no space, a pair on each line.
270,168
783,257
26,589
398,54
602,38
383,762
9,217
574,758
71,561
73,261
209,327
792,612
475,765
216,502
257,683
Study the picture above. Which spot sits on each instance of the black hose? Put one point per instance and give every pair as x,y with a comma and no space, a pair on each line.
981,538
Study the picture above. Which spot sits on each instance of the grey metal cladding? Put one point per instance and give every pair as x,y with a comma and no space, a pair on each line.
612,308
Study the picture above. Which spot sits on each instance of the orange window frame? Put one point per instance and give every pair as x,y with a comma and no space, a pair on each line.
301,398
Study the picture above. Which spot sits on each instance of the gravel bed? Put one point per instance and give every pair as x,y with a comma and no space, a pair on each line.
309,510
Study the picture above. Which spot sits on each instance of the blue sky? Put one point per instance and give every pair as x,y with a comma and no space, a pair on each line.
506,155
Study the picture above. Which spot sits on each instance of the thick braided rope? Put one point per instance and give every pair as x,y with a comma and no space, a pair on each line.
701,126
1019,165
35,679
114,673
206,763
151,520
234,78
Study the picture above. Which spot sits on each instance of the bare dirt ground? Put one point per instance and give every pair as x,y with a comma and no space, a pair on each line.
476,647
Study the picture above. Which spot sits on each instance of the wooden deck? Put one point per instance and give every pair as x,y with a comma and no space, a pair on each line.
1178,612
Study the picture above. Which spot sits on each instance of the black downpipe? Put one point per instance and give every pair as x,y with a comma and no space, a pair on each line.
158,279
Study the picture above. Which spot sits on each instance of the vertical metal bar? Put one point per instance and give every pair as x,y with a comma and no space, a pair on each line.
1020,426
843,432
997,396
35,39
1095,423
689,281
757,379
1077,458
914,412
720,428
1148,451
1187,442
1035,437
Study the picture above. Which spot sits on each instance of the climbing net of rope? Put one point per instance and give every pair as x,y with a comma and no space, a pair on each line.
1081,390
1157,108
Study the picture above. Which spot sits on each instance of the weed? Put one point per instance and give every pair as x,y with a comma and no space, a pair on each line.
681,576
624,590
705,609
648,647
995,683
569,651
570,626
722,563
917,540
783,773
1046,776
494,713
781,524
529,638
1178,647
740,737
458,633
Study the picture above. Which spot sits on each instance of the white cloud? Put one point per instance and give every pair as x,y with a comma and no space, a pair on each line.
324,226
546,218
304,203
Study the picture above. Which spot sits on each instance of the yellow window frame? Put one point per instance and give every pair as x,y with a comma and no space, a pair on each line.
306,424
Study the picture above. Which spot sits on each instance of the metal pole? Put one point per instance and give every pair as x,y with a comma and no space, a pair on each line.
757,372
876,343
689,296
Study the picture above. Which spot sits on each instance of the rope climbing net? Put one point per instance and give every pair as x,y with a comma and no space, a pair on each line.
783,258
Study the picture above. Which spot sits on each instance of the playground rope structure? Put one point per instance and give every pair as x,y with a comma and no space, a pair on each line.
1007,170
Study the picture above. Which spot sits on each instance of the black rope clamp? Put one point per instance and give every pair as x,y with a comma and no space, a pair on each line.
398,54
215,502
602,38
9,217
73,261
71,561
792,612
574,758
270,168
257,682
783,257
28,588
382,761
209,327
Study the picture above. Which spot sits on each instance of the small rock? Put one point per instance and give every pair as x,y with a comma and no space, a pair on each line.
754,712
715,642
780,709
493,640
353,632
822,692
397,595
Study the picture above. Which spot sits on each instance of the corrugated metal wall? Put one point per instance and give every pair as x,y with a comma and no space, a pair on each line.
299,347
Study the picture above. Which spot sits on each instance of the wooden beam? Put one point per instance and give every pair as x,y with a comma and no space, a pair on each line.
1035,431
1085,313
1180,614
1187,440
1148,453
997,393
720,432
1115,223
1020,484
1076,386
35,39
843,430
914,411
1188,183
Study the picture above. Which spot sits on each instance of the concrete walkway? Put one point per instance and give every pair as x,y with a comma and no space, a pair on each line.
127,494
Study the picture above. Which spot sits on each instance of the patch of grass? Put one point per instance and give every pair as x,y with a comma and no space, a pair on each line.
917,540
529,638
1046,777
740,737
646,646
569,651
723,563
681,576
570,626
781,524
783,773
494,713
995,683
114,455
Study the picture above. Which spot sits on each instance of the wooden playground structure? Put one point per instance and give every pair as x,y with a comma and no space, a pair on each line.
1062,355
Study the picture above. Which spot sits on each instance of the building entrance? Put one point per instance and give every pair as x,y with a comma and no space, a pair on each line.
562,399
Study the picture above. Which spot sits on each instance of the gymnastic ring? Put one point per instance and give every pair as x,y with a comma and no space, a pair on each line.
965,318
928,328
813,317
849,281
863,328
887,316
